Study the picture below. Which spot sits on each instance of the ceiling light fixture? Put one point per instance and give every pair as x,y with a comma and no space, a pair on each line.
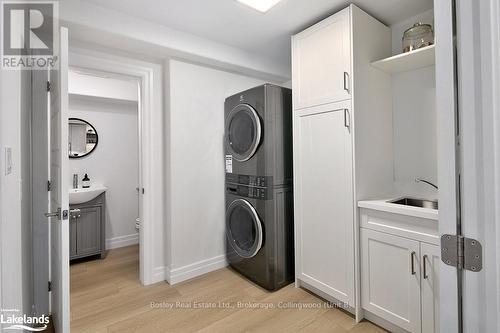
260,5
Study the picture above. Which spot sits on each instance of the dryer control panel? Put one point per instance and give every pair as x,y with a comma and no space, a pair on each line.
259,181
262,193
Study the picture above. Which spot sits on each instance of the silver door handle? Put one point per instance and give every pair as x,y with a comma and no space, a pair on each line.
425,267
61,215
347,118
346,81
54,214
412,265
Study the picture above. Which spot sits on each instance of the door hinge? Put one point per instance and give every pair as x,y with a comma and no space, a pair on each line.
48,85
49,285
49,185
462,253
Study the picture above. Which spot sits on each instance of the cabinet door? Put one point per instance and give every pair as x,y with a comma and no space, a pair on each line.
323,193
88,231
72,235
390,278
430,287
321,59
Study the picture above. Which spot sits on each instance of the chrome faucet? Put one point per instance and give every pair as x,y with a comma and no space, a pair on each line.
418,180
75,180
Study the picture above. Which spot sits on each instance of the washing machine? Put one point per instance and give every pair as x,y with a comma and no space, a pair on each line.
258,136
259,234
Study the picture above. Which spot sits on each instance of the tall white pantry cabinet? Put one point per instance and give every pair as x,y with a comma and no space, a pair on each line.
342,136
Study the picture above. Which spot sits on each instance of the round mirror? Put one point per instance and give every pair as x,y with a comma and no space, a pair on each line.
82,139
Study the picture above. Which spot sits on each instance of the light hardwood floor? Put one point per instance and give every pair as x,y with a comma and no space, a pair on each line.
106,296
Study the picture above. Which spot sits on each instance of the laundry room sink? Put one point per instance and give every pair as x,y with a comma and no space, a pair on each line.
422,203
81,195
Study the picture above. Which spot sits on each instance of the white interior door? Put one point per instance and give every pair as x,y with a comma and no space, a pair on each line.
40,202
469,300
59,197
446,107
478,53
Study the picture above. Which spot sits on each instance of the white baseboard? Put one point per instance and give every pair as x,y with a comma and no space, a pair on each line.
187,272
121,241
159,274
383,323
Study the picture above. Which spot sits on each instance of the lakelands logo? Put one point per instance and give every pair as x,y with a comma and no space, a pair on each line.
29,34
15,321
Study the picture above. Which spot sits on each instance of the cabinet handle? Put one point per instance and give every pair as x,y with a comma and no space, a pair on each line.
347,119
424,259
346,81
412,263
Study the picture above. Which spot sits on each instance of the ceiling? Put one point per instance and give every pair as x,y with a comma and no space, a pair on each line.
232,23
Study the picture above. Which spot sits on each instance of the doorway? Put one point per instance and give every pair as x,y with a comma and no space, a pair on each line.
149,194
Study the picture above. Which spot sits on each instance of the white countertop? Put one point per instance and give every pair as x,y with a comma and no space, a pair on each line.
383,205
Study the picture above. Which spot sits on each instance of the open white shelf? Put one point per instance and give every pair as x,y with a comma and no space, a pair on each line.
404,62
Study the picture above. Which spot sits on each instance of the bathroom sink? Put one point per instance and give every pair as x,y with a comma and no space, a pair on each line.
81,195
432,204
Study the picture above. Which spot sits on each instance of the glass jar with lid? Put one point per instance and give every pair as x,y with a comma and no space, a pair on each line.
420,35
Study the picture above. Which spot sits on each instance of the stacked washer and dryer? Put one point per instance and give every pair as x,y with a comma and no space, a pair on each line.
259,198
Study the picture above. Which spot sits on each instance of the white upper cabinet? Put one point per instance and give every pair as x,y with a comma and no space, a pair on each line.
323,201
321,61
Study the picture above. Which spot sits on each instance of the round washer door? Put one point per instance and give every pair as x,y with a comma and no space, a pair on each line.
242,132
243,228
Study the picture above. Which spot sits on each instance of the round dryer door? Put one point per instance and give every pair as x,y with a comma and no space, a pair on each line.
243,132
243,228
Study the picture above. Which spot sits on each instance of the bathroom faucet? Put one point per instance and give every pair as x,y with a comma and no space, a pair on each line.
418,180
75,180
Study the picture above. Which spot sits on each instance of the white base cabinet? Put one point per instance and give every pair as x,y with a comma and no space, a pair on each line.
399,280
390,275
431,259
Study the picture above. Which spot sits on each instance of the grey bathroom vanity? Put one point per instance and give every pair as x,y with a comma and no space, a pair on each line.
87,228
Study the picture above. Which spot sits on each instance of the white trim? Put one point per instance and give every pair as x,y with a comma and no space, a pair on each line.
159,274
446,154
190,271
152,177
122,241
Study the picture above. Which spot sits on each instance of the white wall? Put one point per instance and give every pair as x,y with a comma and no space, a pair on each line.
415,139
196,183
10,187
114,163
414,121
